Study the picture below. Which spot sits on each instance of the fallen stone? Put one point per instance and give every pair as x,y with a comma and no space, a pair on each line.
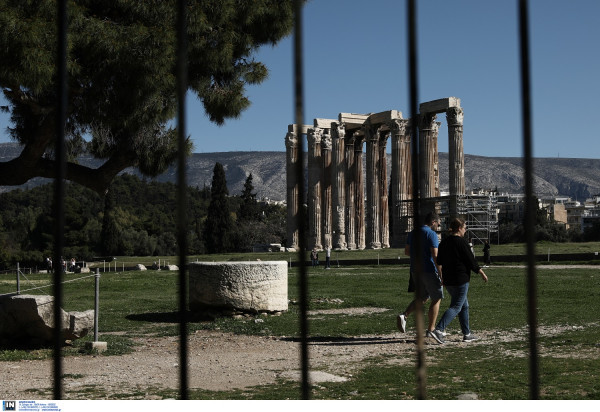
29,320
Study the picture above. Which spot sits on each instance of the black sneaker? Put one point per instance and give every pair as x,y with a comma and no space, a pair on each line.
470,338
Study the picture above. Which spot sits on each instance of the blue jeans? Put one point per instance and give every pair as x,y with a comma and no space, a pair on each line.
459,305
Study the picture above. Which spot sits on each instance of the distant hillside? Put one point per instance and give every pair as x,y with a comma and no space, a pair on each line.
577,178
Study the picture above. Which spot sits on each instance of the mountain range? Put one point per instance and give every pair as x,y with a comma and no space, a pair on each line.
576,178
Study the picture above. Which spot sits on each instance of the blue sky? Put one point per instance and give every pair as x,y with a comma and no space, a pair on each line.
356,61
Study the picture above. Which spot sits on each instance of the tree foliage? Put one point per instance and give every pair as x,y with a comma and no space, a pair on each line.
136,218
109,237
249,207
217,229
121,78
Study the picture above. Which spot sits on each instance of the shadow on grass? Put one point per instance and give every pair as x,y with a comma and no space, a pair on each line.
349,340
169,317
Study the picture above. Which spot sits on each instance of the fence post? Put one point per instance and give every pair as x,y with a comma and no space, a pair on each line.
18,280
95,345
96,303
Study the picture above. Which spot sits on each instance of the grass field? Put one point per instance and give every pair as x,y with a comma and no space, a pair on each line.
145,303
511,249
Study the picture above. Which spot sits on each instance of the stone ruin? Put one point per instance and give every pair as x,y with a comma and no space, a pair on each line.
248,287
339,217
28,320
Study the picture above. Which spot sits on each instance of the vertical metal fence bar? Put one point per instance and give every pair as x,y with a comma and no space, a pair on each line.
59,189
411,12
96,303
529,205
182,195
18,279
301,216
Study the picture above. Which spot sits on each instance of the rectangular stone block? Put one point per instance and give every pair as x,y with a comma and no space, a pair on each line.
324,123
384,117
353,120
96,346
439,105
303,128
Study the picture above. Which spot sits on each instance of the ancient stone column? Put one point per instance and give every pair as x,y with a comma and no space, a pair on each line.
384,209
350,193
401,181
292,189
456,157
428,160
338,190
359,197
373,240
326,189
436,159
315,167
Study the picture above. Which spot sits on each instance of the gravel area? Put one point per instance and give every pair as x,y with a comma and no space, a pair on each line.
224,361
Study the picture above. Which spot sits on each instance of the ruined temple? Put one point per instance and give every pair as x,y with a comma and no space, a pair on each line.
346,212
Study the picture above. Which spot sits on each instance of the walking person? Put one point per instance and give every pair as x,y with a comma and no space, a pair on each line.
486,254
327,257
430,279
456,263
314,257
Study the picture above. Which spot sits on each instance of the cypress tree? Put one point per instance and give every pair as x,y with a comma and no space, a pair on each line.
218,226
249,207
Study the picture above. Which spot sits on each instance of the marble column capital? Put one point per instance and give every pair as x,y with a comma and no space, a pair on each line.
384,134
427,121
338,130
314,136
455,116
326,141
371,132
291,140
398,126
357,140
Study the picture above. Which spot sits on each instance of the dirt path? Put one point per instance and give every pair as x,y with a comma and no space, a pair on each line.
222,361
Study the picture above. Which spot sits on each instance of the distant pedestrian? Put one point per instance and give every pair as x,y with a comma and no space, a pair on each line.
314,257
327,257
487,261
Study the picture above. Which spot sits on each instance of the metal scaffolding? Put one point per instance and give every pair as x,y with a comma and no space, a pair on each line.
480,212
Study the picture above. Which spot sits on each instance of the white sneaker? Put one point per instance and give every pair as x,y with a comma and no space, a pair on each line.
401,323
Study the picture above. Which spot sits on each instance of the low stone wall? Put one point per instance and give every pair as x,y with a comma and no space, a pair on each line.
246,286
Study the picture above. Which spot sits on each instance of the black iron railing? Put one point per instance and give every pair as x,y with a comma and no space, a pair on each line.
298,79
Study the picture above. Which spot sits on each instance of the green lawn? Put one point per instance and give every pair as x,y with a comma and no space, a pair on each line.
568,299
511,249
